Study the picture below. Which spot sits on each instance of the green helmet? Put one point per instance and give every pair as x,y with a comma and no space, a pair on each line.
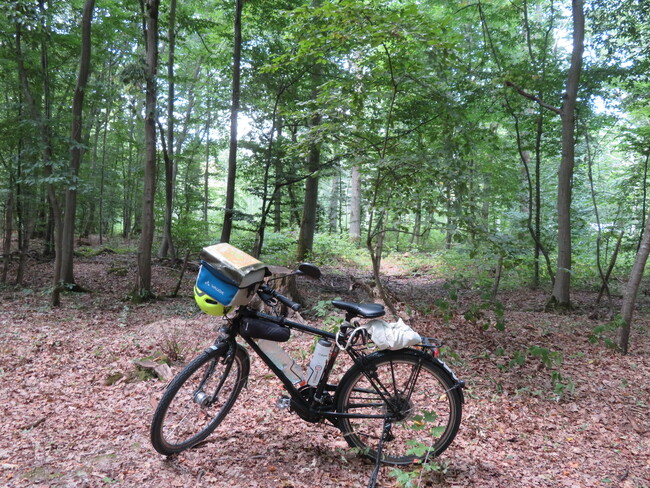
209,305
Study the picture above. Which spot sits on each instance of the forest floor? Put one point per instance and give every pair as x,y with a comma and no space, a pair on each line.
75,412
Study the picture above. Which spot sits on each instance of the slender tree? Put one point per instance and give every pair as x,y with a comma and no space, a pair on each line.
234,112
561,289
355,204
6,247
310,206
632,288
67,243
42,119
149,189
561,296
167,244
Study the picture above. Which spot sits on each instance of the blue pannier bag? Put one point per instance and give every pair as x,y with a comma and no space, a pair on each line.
229,275
216,285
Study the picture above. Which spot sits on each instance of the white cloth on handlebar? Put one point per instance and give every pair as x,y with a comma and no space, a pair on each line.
393,336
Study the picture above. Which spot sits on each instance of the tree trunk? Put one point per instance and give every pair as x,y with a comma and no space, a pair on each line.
485,206
234,112
270,162
6,248
22,211
534,232
24,243
645,196
149,186
561,289
43,120
277,201
450,229
497,278
25,213
417,225
355,204
310,207
187,119
294,215
629,298
167,245
128,211
90,223
102,173
67,249
612,262
376,250
334,204
206,173
538,201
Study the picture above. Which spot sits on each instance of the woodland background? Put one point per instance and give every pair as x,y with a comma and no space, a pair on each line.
482,164
513,131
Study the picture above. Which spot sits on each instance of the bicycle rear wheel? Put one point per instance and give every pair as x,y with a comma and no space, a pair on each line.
198,399
421,401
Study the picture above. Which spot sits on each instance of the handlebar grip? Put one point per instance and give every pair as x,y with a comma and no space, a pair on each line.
289,303
266,291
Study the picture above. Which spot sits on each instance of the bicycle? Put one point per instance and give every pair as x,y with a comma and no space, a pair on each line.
396,407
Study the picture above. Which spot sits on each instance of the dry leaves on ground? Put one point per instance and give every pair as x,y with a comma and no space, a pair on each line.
76,410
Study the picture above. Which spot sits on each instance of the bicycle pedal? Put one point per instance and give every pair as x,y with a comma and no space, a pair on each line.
283,402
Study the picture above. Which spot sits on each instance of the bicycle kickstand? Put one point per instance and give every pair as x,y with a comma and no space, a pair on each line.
384,436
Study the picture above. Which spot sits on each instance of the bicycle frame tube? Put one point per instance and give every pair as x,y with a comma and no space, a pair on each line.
295,394
331,415
292,325
293,391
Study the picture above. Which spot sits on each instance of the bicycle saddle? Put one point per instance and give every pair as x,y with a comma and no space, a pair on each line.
366,310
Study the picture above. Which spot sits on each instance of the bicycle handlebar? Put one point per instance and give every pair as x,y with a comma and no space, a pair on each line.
271,293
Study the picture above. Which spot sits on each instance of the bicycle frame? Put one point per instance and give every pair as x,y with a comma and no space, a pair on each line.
300,402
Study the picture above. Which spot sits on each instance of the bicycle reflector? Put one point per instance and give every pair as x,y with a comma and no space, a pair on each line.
209,305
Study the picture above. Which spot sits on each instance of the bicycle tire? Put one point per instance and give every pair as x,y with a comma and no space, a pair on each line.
198,399
424,422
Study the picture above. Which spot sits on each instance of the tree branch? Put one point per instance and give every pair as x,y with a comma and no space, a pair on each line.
534,98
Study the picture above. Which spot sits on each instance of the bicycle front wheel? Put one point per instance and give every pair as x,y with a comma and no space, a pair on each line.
198,399
419,401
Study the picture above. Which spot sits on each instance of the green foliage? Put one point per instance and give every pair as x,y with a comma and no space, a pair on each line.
335,249
549,358
279,248
476,314
325,311
561,386
450,356
189,235
408,478
604,332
